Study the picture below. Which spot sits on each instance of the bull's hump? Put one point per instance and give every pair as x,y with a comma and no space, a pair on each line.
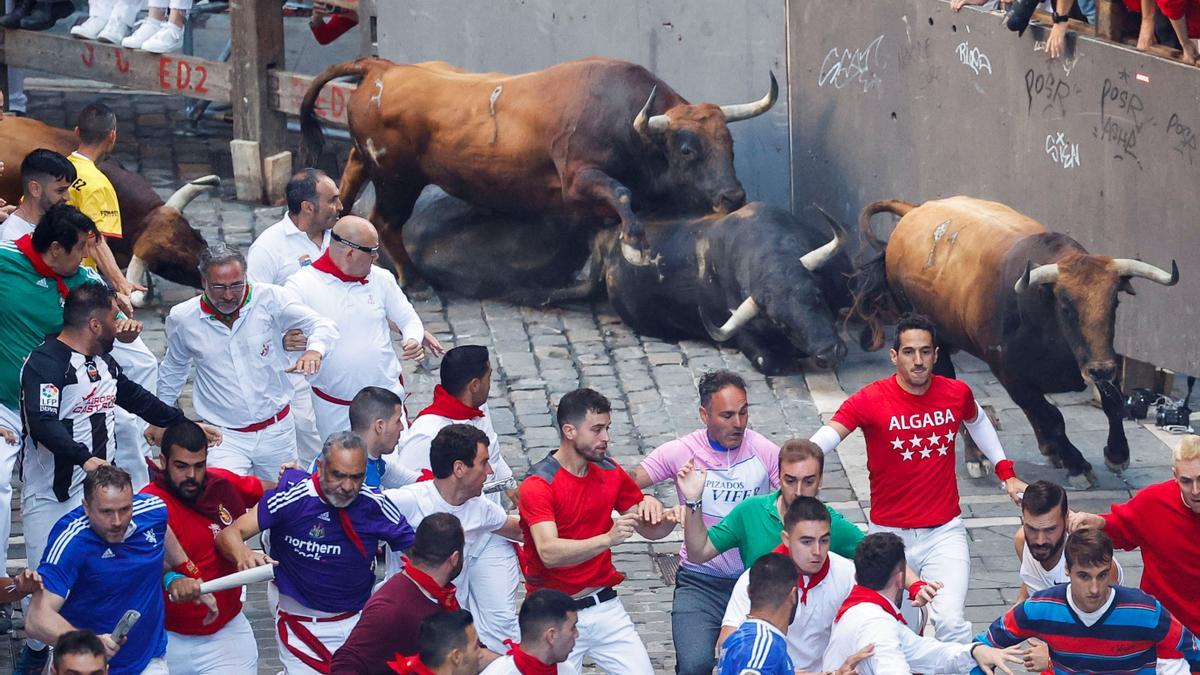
986,218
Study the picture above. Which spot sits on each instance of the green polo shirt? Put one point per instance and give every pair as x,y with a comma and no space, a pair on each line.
755,528
30,310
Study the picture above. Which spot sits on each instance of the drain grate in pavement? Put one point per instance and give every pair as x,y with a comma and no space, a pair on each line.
668,566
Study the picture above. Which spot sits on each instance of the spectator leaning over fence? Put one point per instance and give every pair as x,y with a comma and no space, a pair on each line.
1184,17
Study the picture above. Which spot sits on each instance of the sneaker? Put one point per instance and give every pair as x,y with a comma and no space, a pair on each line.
168,39
114,31
31,662
145,30
20,10
89,29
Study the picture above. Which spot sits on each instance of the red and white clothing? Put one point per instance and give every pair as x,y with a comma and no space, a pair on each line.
914,491
866,617
362,309
517,662
239,383
822,594
489,593
581,508
1157,521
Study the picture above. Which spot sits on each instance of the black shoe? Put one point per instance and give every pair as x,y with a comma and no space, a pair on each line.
46,14
20,10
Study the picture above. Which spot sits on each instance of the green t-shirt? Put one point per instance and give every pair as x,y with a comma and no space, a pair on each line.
755,528
30,310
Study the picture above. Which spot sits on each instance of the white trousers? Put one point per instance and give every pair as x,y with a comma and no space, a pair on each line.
39,513
229,651
15,97
141,366
332,634
260,453
174,4
308,441
157,667
9,419
126,10
607,636
941,554
488,590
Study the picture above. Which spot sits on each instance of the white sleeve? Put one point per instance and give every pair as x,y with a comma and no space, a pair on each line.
414,450
984,435
260,266
492,515
739,602
890,657
400,311
827,438
929,655
395,474
173,370
322,333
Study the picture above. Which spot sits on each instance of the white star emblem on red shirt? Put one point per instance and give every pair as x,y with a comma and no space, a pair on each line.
897,443
926,452
915,441
907,454
943,449
934,439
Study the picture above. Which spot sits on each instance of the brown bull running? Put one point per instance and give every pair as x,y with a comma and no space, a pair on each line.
1033,304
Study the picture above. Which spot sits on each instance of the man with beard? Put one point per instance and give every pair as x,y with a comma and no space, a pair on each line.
548,633
909,422
201,502
566,513
758,645
325,529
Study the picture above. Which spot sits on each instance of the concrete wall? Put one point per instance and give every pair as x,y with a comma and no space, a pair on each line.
903,98
708,50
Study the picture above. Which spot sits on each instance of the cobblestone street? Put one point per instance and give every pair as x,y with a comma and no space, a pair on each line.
539,354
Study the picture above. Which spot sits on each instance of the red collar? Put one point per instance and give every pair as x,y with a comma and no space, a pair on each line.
813,580
861,595
526,664
325,264
446,405
25,246
409,665
443,595
226,319
347,526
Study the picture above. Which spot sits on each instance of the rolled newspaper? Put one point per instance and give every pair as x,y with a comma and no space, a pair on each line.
250,576
502,485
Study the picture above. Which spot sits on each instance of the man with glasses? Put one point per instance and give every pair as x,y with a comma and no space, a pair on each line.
366,303
231,335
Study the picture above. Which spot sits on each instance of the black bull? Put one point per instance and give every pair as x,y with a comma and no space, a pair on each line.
769,277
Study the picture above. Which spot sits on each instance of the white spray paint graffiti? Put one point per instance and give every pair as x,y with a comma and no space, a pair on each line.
843,66
972,58
1061,152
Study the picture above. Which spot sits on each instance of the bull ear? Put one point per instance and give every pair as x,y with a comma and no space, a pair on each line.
1126,286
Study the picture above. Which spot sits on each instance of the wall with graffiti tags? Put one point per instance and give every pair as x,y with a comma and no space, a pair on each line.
906,99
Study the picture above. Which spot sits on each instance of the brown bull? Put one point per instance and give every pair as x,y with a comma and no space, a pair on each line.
157,236
582,137
1033,304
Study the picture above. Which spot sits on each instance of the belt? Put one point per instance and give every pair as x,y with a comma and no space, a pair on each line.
331,398
259,426
603,595
293,623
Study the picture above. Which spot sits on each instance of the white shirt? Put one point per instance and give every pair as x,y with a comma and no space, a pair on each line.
280,251
413,451
505,665
477,515
1089,619
808,634
898,650
14,228
364,355
1037,578
239,370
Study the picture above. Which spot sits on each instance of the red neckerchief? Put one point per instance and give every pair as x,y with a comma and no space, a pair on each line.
446,405
409,665
226,319
442,595
347,526
526,664
219,499
325,264
813,580
861,595
25,246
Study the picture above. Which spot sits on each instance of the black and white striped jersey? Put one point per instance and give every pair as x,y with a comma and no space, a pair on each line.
68,401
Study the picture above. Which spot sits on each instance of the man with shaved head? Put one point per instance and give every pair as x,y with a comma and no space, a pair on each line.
366,303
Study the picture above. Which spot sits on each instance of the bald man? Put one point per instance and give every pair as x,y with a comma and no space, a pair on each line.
367,304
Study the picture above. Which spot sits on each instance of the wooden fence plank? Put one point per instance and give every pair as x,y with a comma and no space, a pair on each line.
287,91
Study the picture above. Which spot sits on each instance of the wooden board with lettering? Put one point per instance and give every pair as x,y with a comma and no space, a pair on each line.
130,68
288,89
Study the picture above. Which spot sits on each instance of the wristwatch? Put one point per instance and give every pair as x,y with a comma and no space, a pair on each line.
1061,18
694,506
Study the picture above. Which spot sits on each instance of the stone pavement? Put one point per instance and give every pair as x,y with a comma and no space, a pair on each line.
539,354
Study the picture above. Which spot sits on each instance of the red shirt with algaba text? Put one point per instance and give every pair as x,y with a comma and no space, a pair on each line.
910,448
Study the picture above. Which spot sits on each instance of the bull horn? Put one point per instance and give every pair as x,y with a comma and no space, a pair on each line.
645,123
744,111
1036,276
189,191
817,258
746,311
1127,267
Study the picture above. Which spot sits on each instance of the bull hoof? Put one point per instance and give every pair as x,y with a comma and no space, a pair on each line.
139,299
1083,481
1117,468
636,256
979,469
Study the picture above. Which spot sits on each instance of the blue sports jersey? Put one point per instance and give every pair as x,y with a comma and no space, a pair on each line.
755,648
101,581
319,564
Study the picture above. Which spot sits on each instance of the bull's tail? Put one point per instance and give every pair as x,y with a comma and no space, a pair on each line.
874,303
312,133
